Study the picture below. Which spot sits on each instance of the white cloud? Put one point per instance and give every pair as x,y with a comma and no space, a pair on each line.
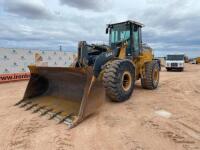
29,9
49,23
95,5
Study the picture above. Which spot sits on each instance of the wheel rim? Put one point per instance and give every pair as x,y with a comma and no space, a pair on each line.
155,76
126,81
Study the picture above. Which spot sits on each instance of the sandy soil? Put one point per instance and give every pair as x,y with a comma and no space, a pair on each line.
132,125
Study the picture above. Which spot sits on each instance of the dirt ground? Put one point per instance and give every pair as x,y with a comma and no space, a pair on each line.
133,125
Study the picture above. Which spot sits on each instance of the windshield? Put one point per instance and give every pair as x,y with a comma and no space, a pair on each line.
175,57
119,33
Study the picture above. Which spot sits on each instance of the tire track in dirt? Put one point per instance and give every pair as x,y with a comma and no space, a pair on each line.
180,90
184,128
176,132
190,130
114,122
131,143
63,141
22,133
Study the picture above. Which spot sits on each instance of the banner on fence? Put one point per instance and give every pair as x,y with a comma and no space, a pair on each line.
14,77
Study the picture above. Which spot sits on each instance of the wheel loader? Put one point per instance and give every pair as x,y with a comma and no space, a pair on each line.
70,94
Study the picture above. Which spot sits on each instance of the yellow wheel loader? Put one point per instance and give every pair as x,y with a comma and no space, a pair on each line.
100,71
197,60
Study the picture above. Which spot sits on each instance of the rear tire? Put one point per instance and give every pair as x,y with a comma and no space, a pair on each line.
152,75
119,80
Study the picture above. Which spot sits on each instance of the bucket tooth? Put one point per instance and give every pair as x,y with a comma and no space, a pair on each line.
64,118
38,109
45,112
54,115
18,103
25,104
30,107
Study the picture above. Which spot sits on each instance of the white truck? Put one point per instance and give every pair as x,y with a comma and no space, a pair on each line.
175,62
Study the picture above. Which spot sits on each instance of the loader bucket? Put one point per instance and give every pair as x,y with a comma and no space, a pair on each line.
68,94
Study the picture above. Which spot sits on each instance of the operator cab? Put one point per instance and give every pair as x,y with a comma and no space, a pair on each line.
130,32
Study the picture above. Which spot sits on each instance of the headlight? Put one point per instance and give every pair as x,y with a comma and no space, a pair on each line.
180,64
168,64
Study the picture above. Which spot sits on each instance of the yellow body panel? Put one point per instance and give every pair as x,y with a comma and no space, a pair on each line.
122,54
145,56
198,60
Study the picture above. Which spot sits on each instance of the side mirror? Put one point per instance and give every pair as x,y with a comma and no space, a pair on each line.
107,30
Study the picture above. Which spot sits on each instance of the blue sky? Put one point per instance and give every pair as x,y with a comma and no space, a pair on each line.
46,24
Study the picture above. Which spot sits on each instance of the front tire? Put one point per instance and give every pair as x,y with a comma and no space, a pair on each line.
152,75
119,80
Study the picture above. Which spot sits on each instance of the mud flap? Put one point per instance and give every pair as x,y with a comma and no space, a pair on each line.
68,94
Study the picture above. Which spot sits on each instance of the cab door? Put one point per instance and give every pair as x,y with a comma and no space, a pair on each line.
136,31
